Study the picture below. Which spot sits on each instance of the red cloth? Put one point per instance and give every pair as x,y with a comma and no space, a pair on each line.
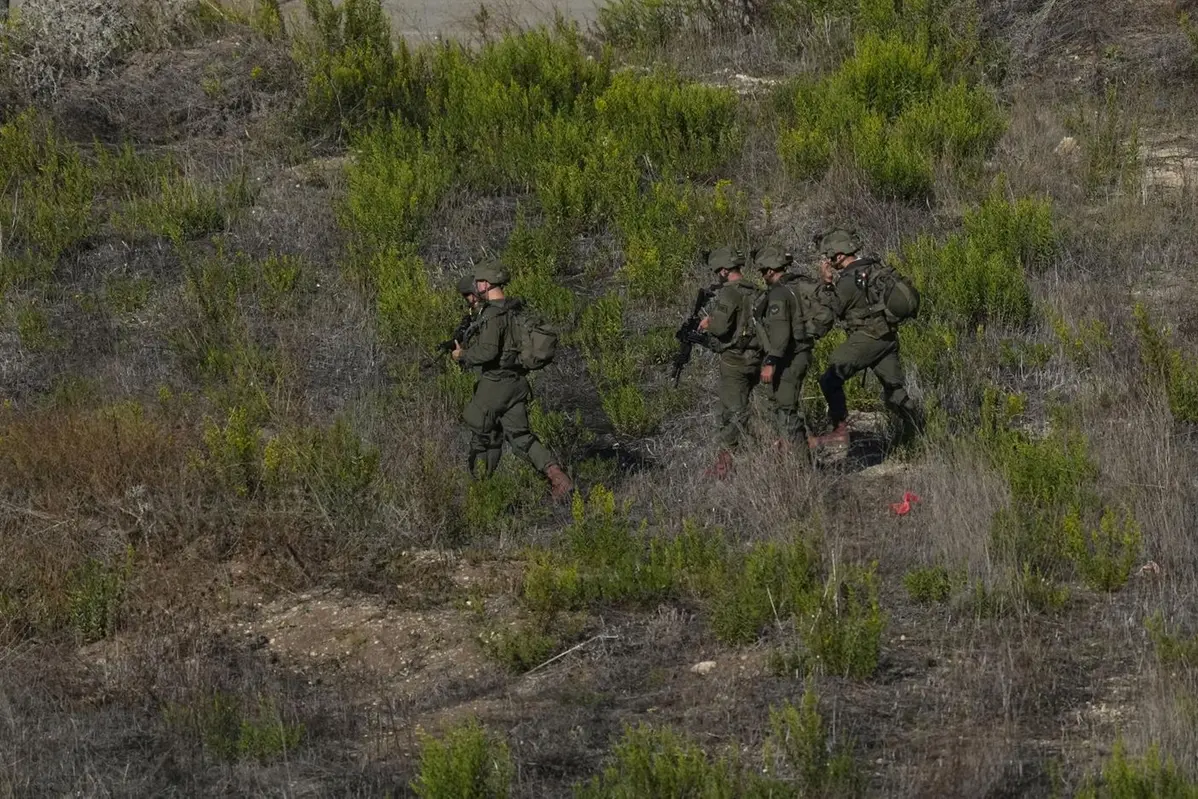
904,507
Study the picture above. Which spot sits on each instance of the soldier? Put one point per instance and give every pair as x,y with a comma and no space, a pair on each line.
499,408
731,329
790,316
872,341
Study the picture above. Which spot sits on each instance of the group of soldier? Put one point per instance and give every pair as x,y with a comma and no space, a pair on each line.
764,337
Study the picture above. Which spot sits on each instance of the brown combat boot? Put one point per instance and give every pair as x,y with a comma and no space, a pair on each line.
839,437
722,466
559,483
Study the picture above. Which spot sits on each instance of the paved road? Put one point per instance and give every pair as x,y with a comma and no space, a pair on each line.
425,19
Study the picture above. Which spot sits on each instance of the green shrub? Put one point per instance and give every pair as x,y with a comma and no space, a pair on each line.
228,732
1125,777
511,492
331,465
234,451
929,584
980,275
843,627
659,240
630,411
1109,138
1168,368
580,174
1105,555
651,761
535,256
891,111
772,584
412,312
46,192
468,763
486,107
352,73
636,24
184,208
33,327
393,185
608,561
671,128
799,748
519,648
1191,31
887,73
1172,648
94,593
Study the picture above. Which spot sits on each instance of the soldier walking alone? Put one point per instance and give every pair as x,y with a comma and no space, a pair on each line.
498,410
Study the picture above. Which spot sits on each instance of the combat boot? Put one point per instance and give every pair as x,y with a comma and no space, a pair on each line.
838,437
559,483
722,466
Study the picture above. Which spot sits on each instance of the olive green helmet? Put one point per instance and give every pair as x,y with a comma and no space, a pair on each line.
466,285
491,271
771,257
727,257
839,241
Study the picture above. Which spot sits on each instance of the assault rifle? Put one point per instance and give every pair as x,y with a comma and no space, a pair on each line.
459,334
689,334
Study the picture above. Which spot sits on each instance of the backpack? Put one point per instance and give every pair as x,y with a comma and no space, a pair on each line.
890,292
535,345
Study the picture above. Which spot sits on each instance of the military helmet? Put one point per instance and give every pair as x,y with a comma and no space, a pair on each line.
491,271
727,257
466,285
771,257
839,241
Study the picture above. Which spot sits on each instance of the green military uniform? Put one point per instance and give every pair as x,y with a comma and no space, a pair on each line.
872,341
731,329
790,318
499,408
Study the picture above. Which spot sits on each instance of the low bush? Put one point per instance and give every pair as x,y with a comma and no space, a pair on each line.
1173,649
393,184
94,593
890,110
518,648
773,583
842,628
980,275
414,314
468,761
1104,554
229,731
46,190
672,129
1127,777
656,761
1168,368
799,749
184,209
929,584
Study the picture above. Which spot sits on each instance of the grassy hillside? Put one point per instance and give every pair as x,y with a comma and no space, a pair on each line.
242,554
